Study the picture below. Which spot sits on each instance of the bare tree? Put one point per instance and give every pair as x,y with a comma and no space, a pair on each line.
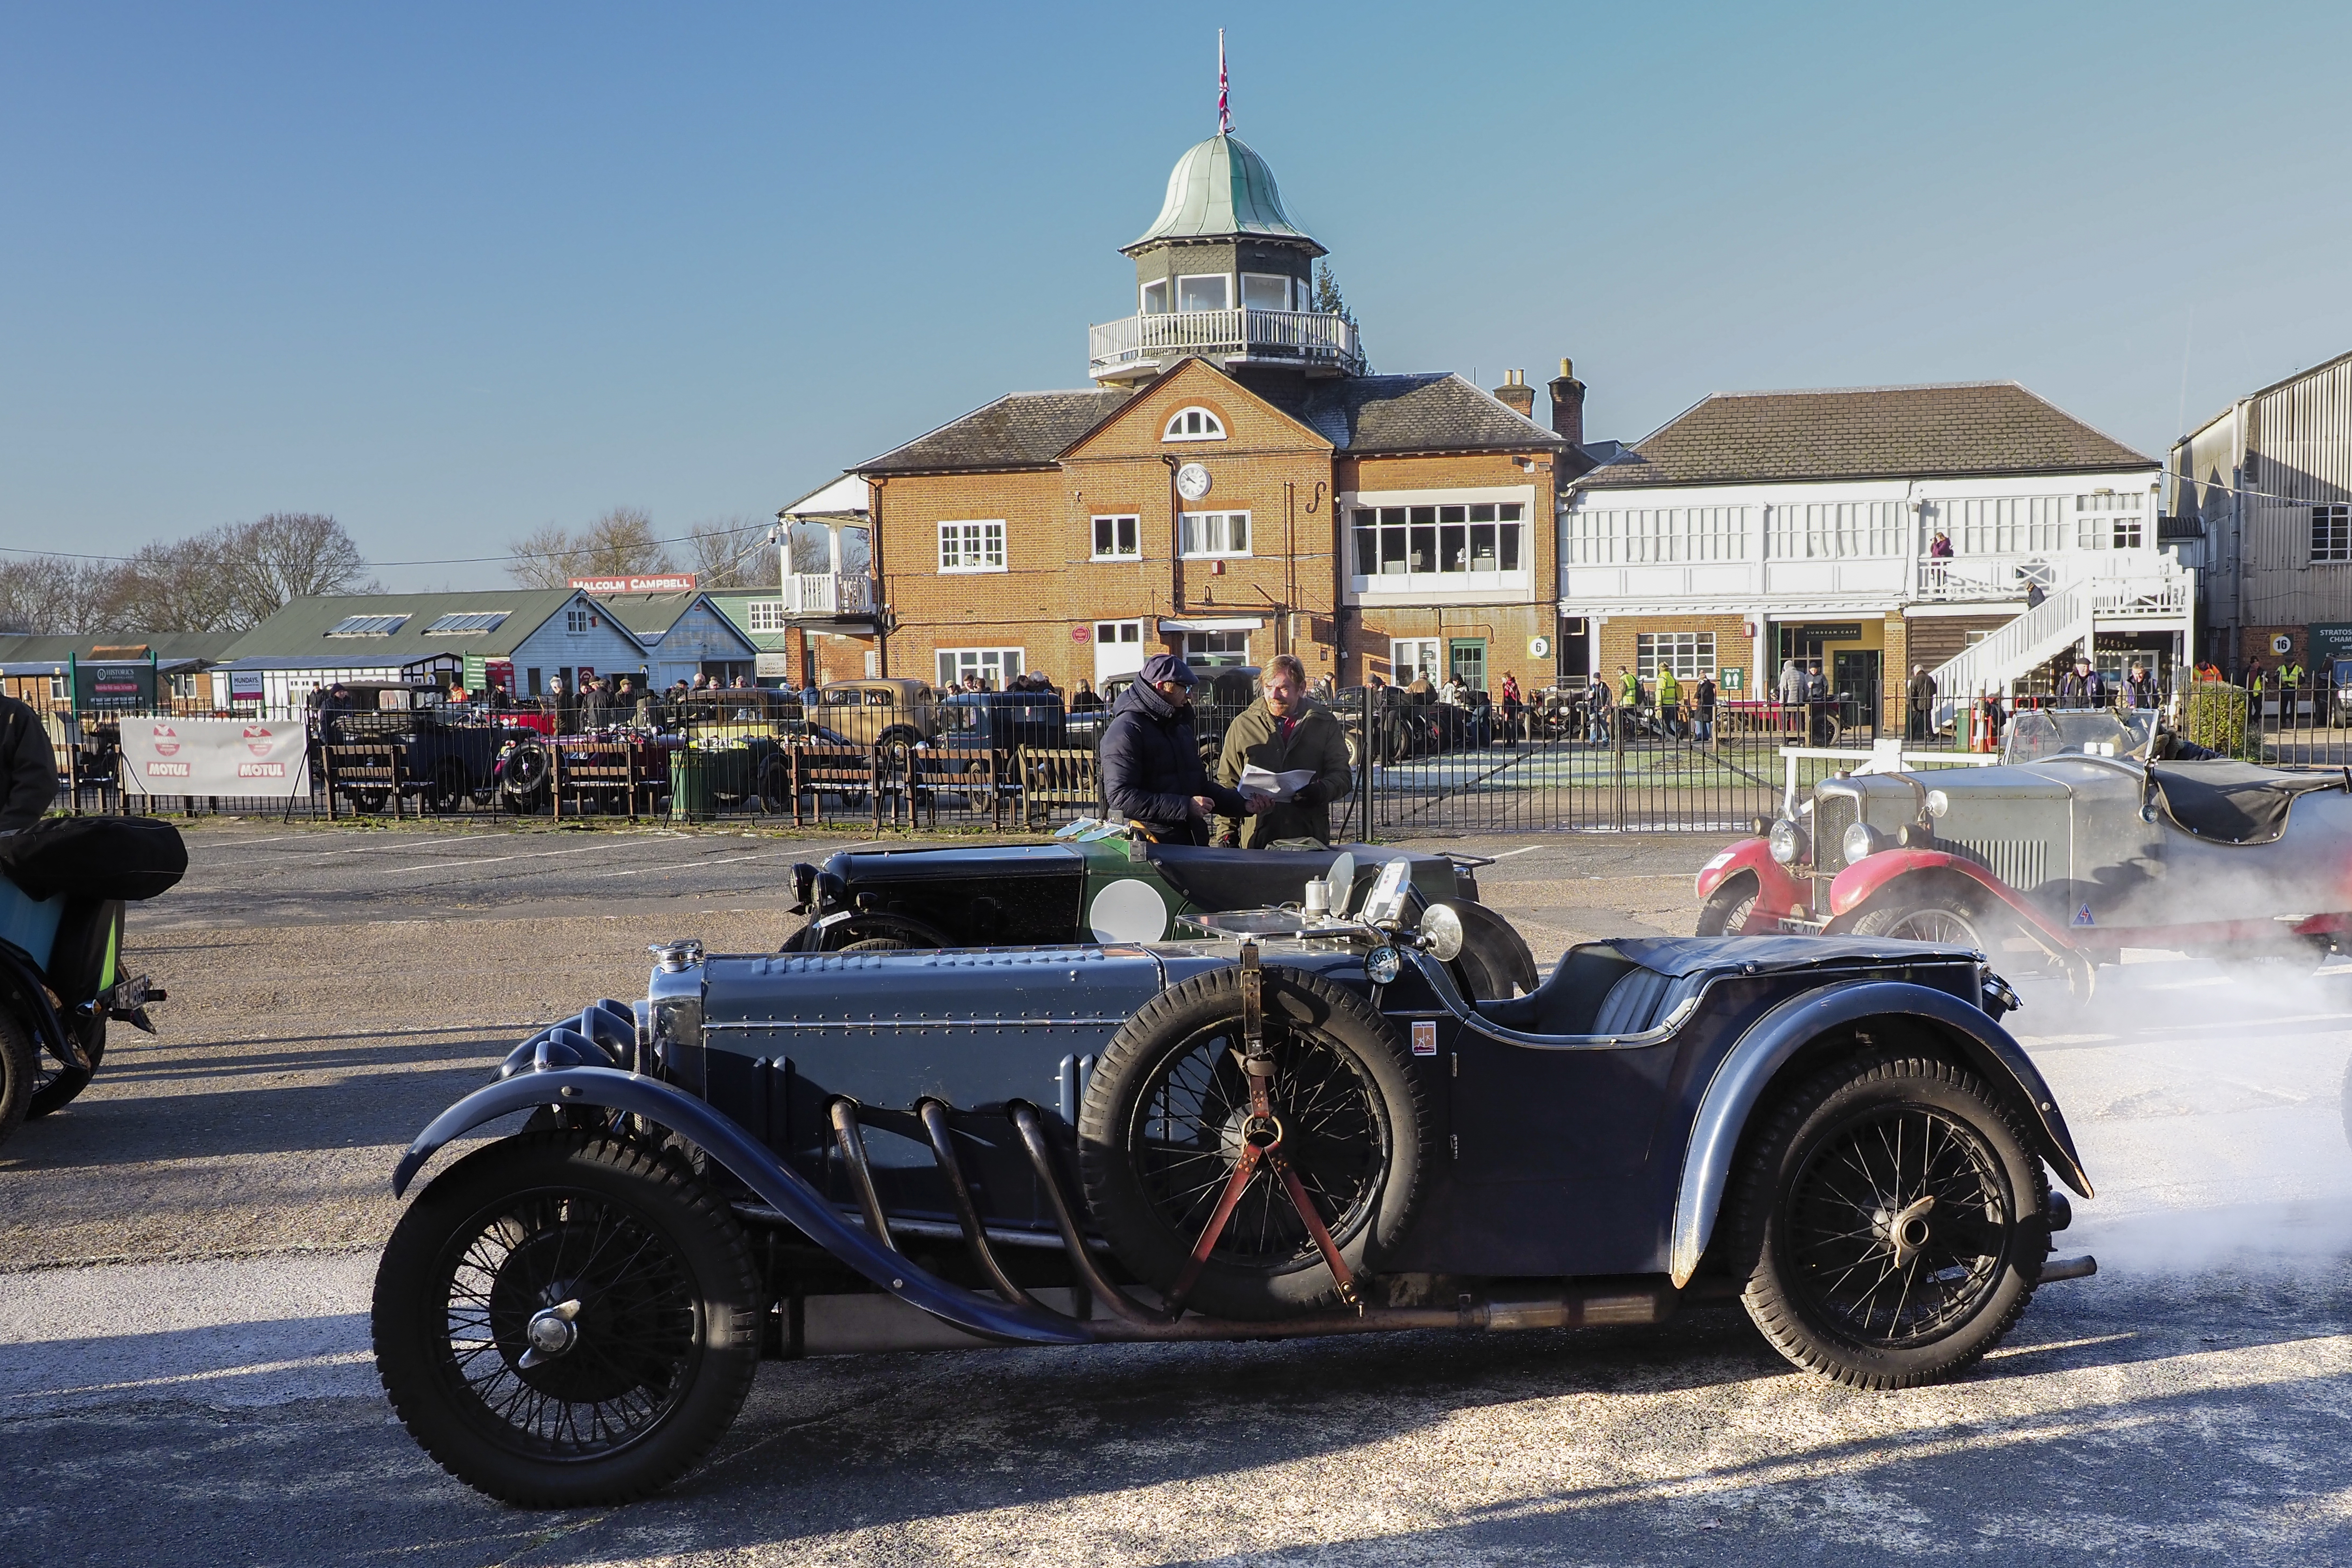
289,556
621,543
733,552
52,595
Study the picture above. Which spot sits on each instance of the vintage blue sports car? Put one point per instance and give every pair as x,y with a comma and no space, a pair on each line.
1297,1125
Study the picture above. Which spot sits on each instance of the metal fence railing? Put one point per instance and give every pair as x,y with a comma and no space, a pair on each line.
1556,762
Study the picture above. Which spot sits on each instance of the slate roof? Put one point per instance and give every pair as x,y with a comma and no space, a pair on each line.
1863,433
300,629
1428,413
171,649
1357,413
1018,431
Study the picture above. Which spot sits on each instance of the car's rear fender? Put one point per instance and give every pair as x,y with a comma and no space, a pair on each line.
753,1164
1872,879
1776,893
1744,1081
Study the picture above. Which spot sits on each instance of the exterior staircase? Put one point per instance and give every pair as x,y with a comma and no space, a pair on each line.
2069,617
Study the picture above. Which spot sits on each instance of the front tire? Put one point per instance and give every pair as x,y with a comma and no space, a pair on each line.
619,1398
1727,909
1891,1221
20,1066
1159,1129
1941,915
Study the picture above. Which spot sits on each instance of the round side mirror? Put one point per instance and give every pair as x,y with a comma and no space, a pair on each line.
1341,880
1441,933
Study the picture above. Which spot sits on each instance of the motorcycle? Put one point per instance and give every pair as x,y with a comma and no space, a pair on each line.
63,886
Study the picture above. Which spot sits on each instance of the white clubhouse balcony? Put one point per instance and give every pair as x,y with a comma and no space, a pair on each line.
829,593
1144,345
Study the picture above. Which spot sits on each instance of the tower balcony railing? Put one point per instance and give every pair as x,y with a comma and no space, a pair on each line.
1308,338
829,593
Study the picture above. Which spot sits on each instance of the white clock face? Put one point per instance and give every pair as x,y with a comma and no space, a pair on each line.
1191,481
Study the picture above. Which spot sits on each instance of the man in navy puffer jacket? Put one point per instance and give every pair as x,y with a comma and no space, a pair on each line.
1151,771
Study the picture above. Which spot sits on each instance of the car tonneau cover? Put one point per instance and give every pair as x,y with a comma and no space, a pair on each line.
2232,802
1681,955
1218,879
979,862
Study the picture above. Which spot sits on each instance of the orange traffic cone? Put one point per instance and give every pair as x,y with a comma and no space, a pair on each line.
1979,728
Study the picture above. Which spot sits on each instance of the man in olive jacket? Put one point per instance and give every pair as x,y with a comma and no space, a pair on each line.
1282,731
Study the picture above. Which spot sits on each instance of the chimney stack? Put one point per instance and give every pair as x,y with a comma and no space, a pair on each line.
1515,394
1568,404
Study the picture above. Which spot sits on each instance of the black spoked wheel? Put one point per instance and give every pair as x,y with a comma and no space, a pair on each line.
1946,917
525,775
448,786
1727,909
1894,1222
565,1319
56,1083
1161,1127
20,1068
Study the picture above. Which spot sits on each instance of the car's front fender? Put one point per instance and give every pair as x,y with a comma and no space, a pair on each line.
1776,893
1748,1072
1860,884
752,1163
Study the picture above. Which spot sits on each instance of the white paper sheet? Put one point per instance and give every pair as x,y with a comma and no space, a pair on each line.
1279,787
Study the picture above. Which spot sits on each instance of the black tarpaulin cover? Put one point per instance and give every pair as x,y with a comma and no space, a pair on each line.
2234,802
95,857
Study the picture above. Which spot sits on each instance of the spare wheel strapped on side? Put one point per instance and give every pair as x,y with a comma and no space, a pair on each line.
1162,1126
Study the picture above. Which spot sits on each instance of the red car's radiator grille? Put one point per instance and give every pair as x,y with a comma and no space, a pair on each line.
1832,815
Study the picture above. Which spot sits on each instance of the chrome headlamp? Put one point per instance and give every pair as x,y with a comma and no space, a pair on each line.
1859,844
1787,842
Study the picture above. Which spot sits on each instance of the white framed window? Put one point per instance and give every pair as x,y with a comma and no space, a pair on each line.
1265,291
1688,654
2331,533
765,616
1642,535
992,666
2106,521
1406,540
972,546
1999,525
1118,538
1110,634
1411,658
1205,291
1838,530
57,689
1155,297
1215,650
1208,535
1194,424
575,619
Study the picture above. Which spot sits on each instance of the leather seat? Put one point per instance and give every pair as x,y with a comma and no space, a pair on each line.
1591,991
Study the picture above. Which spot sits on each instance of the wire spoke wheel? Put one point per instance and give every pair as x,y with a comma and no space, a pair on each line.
624,1358
1898,1224
1891,1220
1160,1131
1187,1137
1933,925
565,1318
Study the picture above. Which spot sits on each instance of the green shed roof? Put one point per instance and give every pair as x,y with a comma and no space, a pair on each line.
1221,190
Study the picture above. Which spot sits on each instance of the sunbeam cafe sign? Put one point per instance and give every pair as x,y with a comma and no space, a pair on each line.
120,678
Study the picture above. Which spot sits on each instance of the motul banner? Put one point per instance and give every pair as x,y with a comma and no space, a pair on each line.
213,756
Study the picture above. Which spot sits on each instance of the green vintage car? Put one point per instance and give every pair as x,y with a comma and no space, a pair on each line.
1096,884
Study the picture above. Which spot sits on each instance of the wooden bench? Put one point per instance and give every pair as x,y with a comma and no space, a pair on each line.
838,770
362,773
602,767
1055,777
970,771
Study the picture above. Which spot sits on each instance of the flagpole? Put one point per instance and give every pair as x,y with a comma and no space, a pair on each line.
1224,114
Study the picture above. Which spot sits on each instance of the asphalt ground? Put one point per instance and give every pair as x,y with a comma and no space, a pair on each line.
185,1256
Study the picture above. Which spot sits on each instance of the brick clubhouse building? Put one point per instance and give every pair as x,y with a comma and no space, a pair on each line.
1234,484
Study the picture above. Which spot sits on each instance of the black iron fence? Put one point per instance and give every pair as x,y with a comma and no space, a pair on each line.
1556,761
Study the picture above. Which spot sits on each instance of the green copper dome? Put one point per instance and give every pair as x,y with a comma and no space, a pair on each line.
1218,190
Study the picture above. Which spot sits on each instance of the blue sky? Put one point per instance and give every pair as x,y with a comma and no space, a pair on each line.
453,272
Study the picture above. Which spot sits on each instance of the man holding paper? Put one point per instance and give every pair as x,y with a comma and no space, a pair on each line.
1289,751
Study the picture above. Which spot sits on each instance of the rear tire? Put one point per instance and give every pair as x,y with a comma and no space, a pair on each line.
1832,1194
655,1364
53,1088
1728,908
1159,1130
877,945
20,1065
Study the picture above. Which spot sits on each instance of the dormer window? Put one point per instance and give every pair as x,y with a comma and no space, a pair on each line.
1155,297
1206,291
1194,424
